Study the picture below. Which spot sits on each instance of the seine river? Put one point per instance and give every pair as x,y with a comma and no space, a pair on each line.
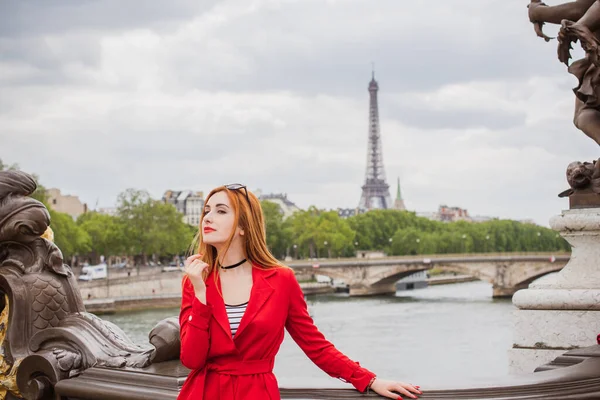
441,334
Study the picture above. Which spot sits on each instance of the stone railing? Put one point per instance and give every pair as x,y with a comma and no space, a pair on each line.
574,376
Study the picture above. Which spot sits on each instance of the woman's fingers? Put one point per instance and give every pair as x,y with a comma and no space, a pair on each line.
194,271
392,395
193,266
196,267
412,388
192,258
387,388
406,389
403,390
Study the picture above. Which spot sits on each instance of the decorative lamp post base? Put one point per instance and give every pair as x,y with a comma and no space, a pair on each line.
562,312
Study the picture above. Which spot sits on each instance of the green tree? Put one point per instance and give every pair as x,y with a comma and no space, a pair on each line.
302,225
133,211
68,236
333,235
106,234
319,233
406,241
277,234
375,228
168,234
150,226
7,167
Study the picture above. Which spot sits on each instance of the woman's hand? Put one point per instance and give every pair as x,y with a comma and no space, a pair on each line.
387,388
194,268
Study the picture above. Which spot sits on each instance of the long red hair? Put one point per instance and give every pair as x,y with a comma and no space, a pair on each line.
249,217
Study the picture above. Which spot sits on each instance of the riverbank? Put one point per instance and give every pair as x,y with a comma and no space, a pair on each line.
138,303
159,301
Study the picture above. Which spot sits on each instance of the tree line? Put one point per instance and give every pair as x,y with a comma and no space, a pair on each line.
144,229
315,233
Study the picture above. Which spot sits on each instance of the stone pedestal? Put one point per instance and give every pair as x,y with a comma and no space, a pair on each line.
562,313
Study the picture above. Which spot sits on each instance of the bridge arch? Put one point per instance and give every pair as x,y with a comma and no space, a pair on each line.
533,277
467,270
464,269
506,273
393,278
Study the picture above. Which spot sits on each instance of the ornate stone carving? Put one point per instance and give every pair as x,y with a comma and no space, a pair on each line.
165,338
45,333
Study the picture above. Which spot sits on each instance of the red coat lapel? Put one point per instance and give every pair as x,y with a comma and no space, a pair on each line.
215,299
260,293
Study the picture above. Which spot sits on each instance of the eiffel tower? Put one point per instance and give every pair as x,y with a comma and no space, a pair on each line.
375,191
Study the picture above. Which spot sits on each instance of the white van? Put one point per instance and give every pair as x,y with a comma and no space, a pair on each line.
91,272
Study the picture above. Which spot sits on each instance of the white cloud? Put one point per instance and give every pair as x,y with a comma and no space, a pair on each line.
475,110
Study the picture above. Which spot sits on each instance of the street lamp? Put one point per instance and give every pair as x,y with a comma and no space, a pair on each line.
328,251
487,240
296,251
464,243
418,240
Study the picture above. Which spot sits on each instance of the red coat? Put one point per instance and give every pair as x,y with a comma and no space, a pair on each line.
241,368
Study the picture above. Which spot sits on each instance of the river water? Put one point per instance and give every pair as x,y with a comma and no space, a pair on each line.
441,334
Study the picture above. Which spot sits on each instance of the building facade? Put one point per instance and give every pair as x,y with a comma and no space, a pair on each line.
350,212
189,203
67,204
287,207
451,214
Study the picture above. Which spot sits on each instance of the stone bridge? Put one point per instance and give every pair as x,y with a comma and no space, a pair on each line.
507,272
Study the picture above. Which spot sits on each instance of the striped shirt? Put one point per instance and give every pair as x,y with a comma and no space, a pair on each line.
235,314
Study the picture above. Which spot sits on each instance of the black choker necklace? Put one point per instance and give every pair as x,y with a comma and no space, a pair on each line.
234,265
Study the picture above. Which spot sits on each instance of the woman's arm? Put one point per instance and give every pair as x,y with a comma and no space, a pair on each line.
322,352
194,333
304,332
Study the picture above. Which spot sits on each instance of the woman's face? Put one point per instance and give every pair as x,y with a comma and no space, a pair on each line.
218,220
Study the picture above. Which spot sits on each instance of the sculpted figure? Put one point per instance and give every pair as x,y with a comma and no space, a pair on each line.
580,21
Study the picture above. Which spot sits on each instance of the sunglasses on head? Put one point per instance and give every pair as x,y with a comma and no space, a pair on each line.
239,186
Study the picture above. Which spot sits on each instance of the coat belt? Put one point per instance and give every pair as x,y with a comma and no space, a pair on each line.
242,367
229,369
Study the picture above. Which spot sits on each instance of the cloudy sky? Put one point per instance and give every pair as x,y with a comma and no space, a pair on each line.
98,96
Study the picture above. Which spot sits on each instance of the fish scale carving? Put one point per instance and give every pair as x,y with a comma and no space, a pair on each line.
48,303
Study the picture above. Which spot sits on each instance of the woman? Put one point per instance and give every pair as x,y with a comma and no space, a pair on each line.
236,301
